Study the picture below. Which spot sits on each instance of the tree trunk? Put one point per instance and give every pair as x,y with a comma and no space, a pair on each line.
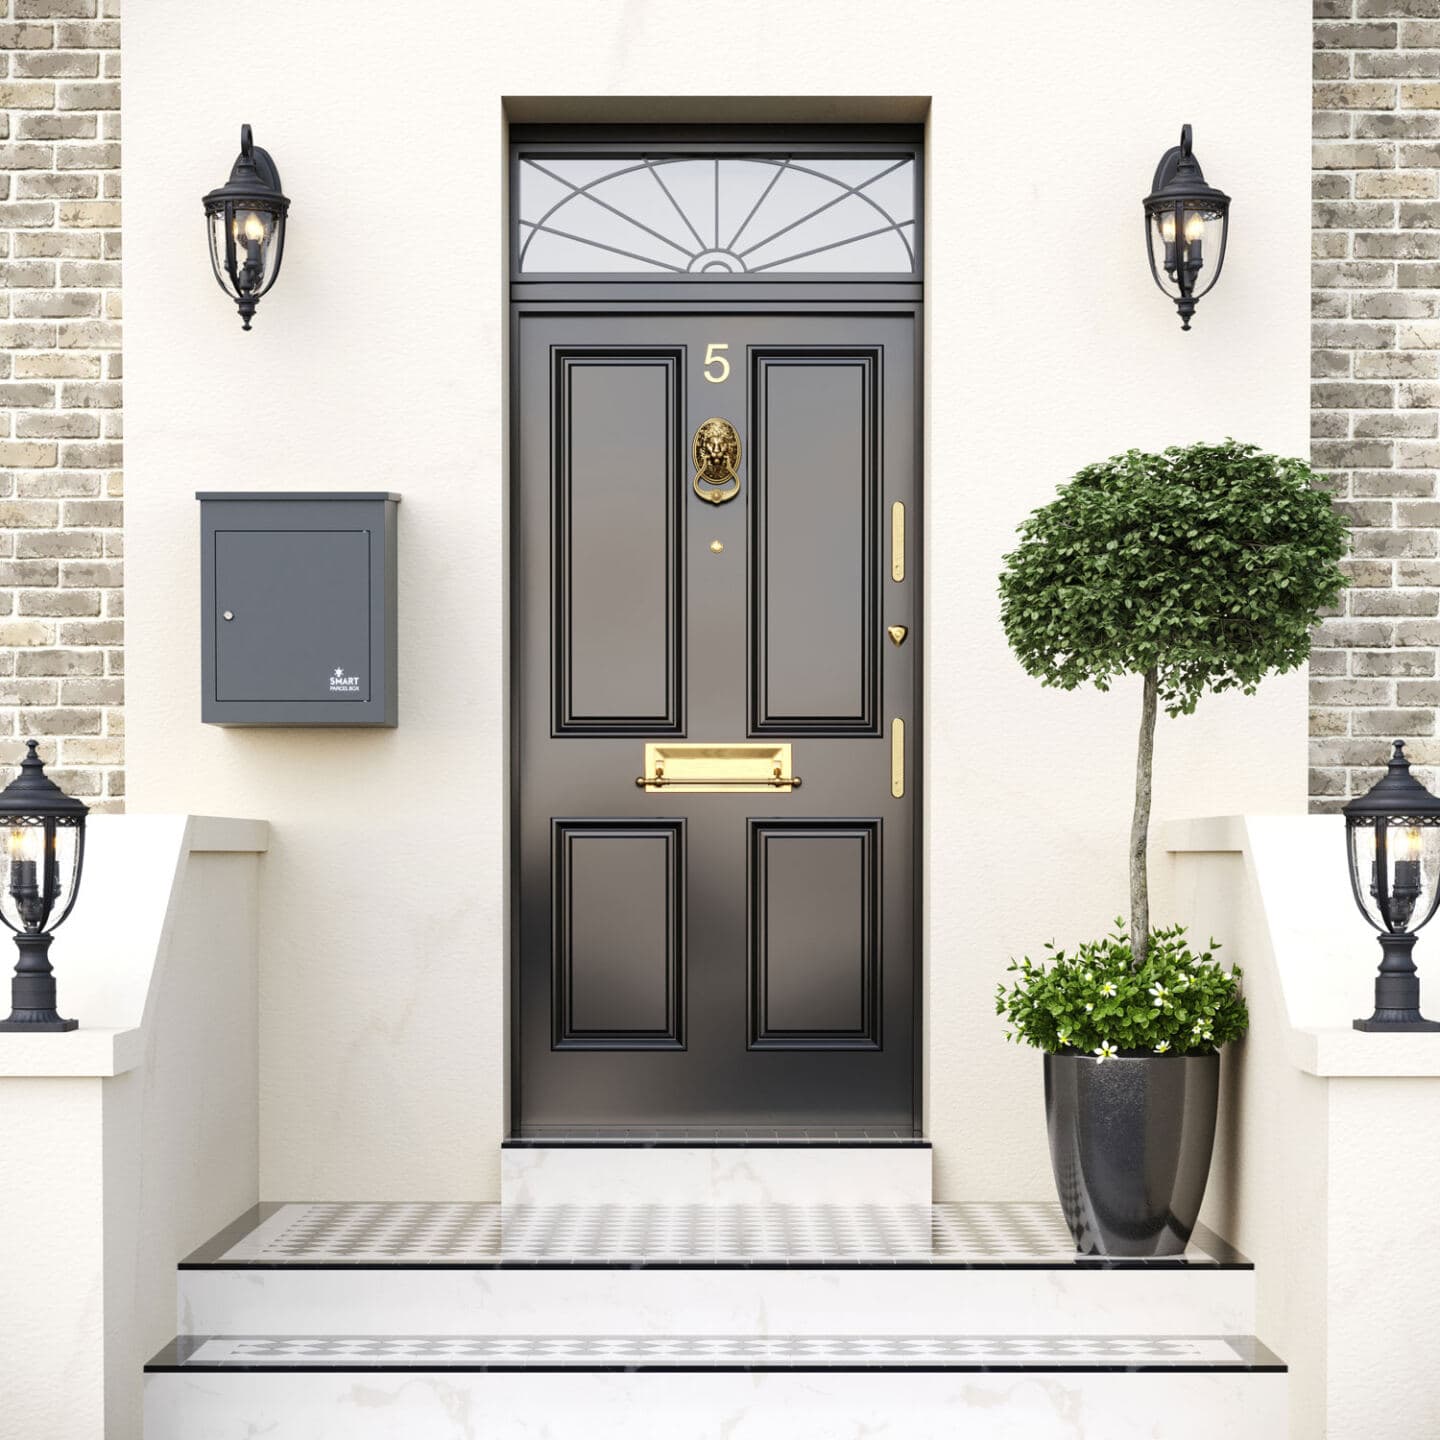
1140,825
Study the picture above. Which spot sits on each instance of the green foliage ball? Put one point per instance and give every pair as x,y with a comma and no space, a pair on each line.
1209,563
1094,1002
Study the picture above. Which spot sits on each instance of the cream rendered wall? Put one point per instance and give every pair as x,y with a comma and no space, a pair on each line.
378,363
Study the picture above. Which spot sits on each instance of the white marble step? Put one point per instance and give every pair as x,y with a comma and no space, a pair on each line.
999,1388
482,1270
764,1168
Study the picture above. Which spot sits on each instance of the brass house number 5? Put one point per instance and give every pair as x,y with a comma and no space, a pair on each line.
712,357
715,448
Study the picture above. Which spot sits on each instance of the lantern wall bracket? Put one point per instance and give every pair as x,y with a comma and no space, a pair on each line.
1170,161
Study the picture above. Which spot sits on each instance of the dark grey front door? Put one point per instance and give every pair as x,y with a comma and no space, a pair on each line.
714,954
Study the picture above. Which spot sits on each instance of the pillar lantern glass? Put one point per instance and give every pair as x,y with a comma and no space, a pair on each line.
1392,835
246,218
1187,224
43,832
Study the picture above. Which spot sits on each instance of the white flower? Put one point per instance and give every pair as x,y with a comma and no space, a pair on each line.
1108,988
1063,1037
1161,994
1089,1007
1162,1047
1105,1052
1182,982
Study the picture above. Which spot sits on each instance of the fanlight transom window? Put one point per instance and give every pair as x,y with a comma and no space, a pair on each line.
754,215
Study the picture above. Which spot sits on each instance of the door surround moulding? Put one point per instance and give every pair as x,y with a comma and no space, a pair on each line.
716,110
712,126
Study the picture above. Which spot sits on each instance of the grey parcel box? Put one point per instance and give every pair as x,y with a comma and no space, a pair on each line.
297,608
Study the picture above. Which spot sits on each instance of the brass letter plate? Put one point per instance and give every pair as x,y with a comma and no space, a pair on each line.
692,768
897,758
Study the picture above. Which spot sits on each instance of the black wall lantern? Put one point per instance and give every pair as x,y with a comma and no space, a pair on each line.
44,837
1393,835
246,216
1188,222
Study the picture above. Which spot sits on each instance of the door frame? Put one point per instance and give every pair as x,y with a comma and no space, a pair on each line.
708,294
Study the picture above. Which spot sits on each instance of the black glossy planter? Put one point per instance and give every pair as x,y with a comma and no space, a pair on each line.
1130,1144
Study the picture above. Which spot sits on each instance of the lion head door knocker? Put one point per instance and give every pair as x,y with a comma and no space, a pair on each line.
716,453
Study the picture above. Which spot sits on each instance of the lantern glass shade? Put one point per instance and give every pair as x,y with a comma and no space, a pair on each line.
42,847
41,871
1187,247
1395,871
246,244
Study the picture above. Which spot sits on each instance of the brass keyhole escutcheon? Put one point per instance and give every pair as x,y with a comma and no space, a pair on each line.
715,451
897,634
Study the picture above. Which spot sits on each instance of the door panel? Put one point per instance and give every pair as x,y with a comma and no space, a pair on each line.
815,518
619,934
814,934
724,956
617,541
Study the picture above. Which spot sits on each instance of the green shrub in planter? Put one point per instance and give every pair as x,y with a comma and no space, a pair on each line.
1199,569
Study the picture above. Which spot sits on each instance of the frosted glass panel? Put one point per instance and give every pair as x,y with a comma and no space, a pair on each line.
676,215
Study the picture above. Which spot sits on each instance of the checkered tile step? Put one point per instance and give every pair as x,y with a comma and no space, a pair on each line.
486,1234
684,1352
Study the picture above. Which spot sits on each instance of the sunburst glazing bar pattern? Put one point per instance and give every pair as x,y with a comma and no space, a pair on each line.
673,215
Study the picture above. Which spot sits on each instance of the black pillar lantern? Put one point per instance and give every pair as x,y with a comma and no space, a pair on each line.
44,838
1188,222
246,216
1392,833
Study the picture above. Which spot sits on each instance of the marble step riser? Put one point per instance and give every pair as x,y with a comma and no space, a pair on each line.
716,1175
755,1301
1044,1405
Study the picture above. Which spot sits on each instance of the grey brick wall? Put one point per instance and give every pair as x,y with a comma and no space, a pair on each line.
1376,390
61,596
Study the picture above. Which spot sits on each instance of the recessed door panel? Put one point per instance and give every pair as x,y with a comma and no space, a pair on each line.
617,562
619,934
814,934
816,559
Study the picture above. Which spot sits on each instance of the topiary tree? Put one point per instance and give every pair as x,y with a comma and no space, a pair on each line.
1201,568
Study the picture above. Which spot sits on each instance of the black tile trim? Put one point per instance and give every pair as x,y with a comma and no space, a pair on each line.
848,1368
1080,1262
1252,1357
825,1137
533,1143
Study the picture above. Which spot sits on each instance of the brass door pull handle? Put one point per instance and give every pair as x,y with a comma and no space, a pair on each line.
776,781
